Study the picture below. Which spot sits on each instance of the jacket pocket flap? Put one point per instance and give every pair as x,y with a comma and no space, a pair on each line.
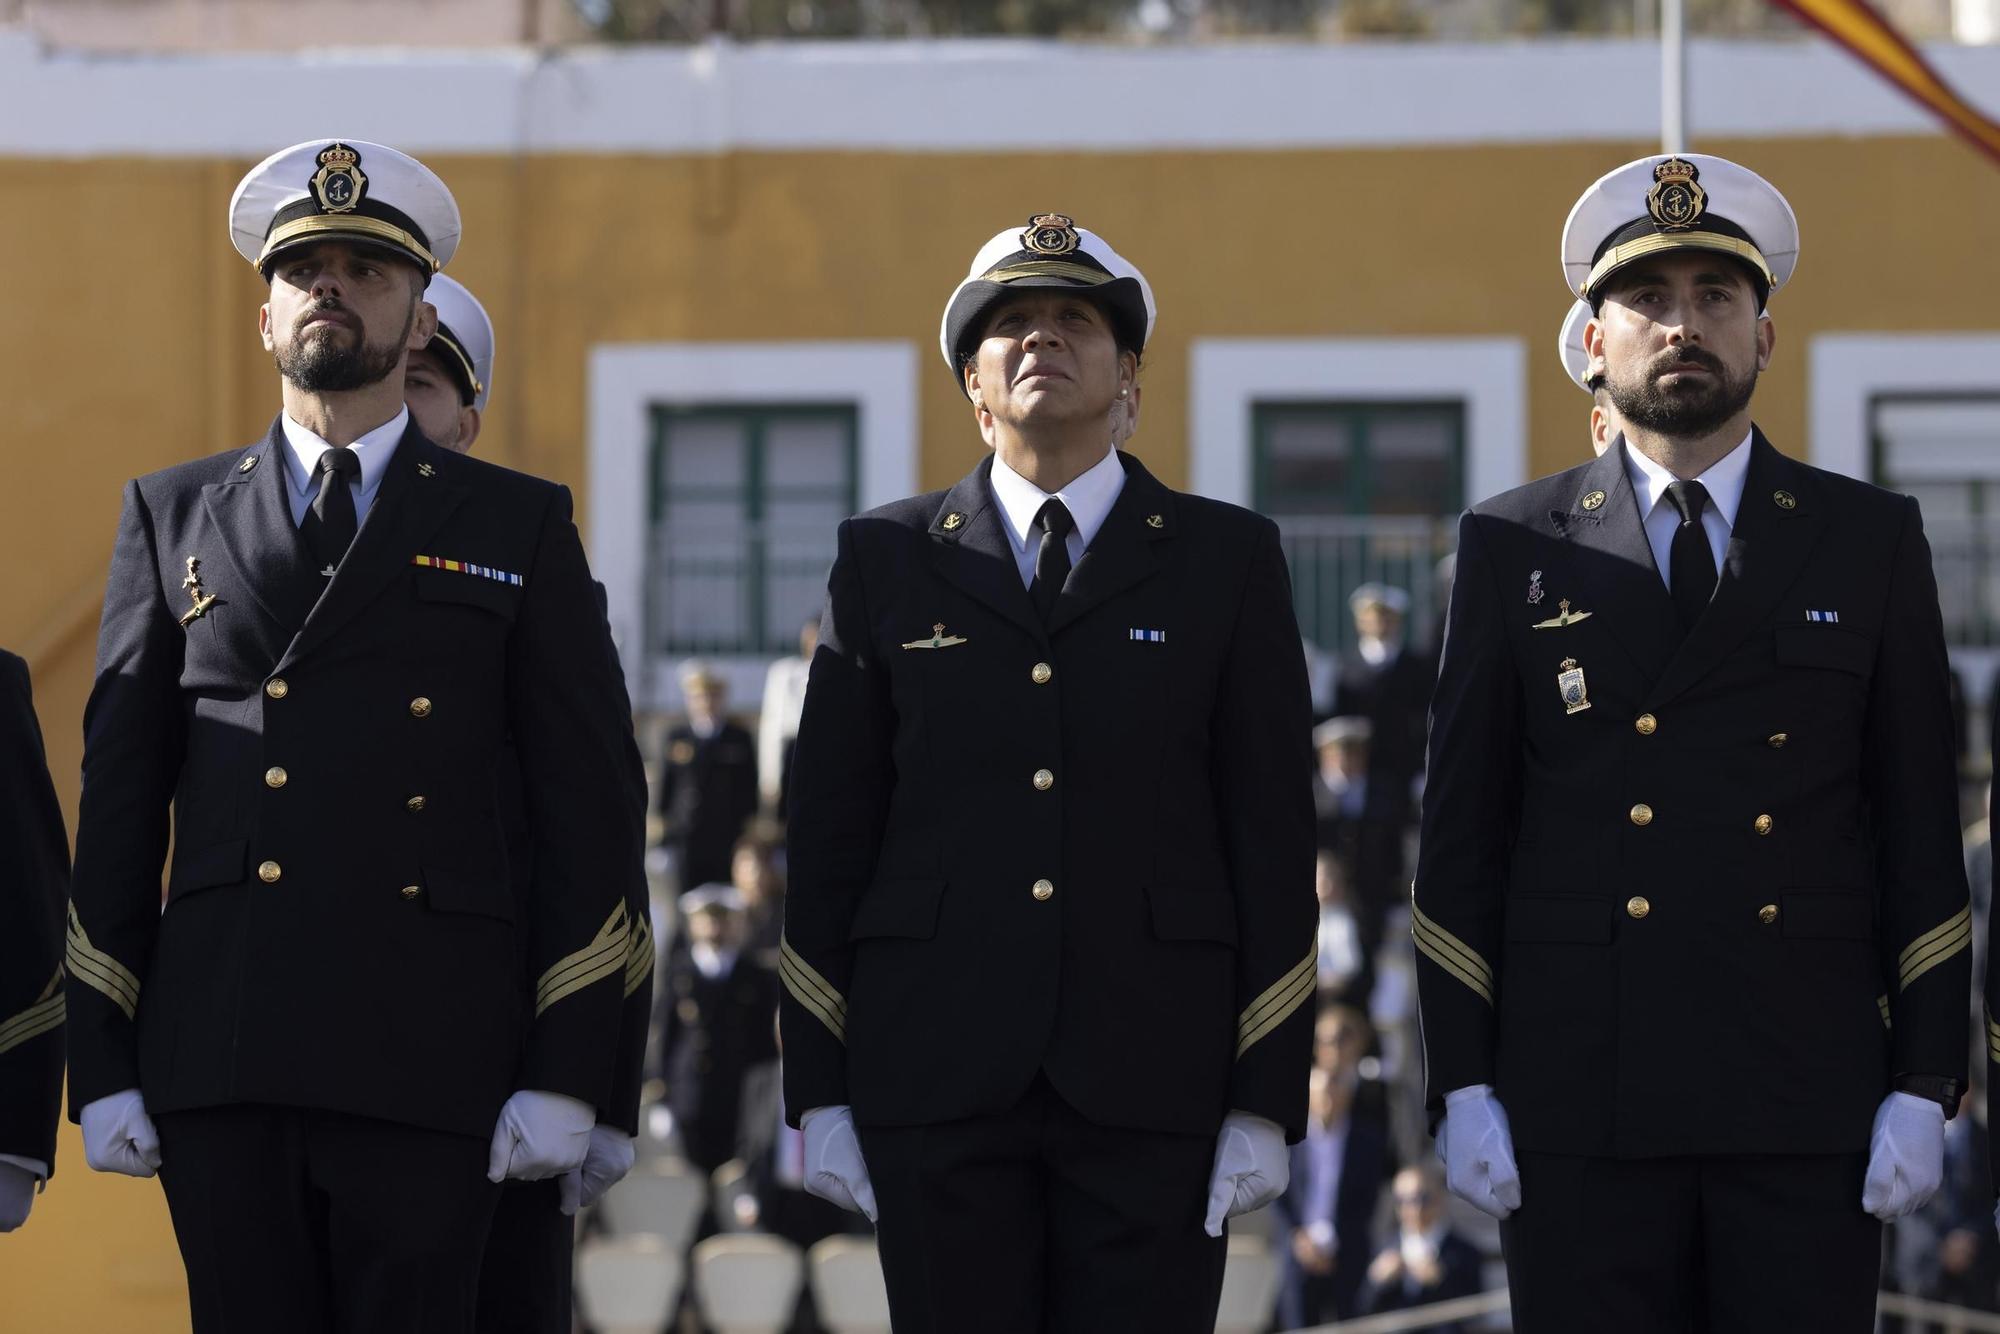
205,868
1567,921
1193,914
904,908
485,893
1827,916
1826,645
472,590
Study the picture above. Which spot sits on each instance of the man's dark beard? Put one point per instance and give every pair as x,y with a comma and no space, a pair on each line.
319,364
1690,408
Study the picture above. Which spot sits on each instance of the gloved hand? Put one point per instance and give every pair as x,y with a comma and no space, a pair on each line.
17,1195
1477,1150
609,1158
834,1170
1905,1156
118,1136
539,1135
1251,1168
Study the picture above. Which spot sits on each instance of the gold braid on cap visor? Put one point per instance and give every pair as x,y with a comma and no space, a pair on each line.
1620,255
345,224
450,341
1049,268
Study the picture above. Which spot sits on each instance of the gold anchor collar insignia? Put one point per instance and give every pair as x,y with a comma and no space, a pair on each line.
248,463
953,522
202,600
425,470
1155,521
1563,618
1784,500
1594,500
938,639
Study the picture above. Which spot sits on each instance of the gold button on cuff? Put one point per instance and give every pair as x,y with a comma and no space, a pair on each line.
1645,724
1777,740
1642,815
275,777
1768,913
269,872
411,891
1043,889
420,707
1636,907
1763,824
415,803
1044,780
276,688
1041,673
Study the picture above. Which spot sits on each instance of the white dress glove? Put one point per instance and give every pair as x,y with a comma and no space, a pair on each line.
609,1158
17,1194
1905,1156
1251,1168
1477,1150
539,1135
118,1136
834,1170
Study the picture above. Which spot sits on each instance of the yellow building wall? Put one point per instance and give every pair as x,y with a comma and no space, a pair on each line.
128,342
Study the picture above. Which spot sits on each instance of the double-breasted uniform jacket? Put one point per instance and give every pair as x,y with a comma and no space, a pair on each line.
1721,908
708,792
339,929
34,881
1083,849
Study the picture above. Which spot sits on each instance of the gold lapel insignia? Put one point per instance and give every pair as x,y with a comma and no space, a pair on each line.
1594,500
202,601
938,639
1563,618
1155,521
425,470
1569,680
953,522
1785,500
247,464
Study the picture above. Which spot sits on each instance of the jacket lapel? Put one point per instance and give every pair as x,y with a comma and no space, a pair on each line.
422,488
971,549
1615,564
1768,548
1122,553
252,512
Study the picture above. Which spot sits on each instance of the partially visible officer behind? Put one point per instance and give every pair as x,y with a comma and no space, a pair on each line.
1049,940
34,881
1604,426
312,652
716,1005
524,1282
707,780
1690,906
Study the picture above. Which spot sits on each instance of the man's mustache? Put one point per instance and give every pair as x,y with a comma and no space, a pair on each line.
1687,356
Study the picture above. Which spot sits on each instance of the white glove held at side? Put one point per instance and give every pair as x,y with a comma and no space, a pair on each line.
539,1135
834,1169
609,1158
1478,1151
118,1136
1905,1156
17,1195
1251,1168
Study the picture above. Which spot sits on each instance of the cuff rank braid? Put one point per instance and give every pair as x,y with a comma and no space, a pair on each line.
46,1013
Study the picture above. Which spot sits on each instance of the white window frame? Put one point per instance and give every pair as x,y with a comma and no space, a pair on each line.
629,380
1227,377
1848,370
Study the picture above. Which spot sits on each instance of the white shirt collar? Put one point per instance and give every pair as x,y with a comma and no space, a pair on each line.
1723,481
1088,498
374,449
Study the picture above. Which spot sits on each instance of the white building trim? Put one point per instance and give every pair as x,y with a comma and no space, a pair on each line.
1227,375
1847,370
628,380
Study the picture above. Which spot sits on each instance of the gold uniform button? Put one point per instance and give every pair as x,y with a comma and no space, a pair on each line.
1636,907
1645,724
1041,673
1777,740
415,803
269,872
1044,780
1043,890
411,891
275,777
420,707
1768,913
1763,824
276,688
1642,815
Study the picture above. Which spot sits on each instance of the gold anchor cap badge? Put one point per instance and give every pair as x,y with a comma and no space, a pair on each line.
938,639
202,601
1564,617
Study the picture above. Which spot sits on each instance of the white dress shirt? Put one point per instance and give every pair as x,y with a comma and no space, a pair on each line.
1326,1152
1724,484
1089,499
778,720
374,449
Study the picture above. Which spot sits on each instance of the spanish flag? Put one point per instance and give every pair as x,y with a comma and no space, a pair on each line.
1859,27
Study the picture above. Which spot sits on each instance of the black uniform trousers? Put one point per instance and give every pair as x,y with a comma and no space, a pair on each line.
1779,1242
1038,1221
317,1222
524,1286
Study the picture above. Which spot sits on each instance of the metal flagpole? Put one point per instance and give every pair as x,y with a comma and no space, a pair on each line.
1673,76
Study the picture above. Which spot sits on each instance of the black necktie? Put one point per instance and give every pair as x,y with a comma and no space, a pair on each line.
329,525
1052,560
1692,563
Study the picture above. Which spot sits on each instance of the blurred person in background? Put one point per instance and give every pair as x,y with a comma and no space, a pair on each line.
754,874
707,780
1361,832
1341,958
778,721
1387,682
1343,1042
715,1023
1326,1216
1427,1262
34,885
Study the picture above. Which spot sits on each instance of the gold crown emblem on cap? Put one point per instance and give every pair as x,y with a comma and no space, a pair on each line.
338,184
1051,234
1676,200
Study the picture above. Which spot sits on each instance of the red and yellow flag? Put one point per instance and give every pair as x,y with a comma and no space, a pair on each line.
1859,27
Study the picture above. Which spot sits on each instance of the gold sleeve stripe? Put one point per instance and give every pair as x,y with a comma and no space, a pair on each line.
811,990
32,1022
1882,1003
1940,948
1451,954
1275,1006
602,957
1993,1040
1933,936
639,956
98,970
